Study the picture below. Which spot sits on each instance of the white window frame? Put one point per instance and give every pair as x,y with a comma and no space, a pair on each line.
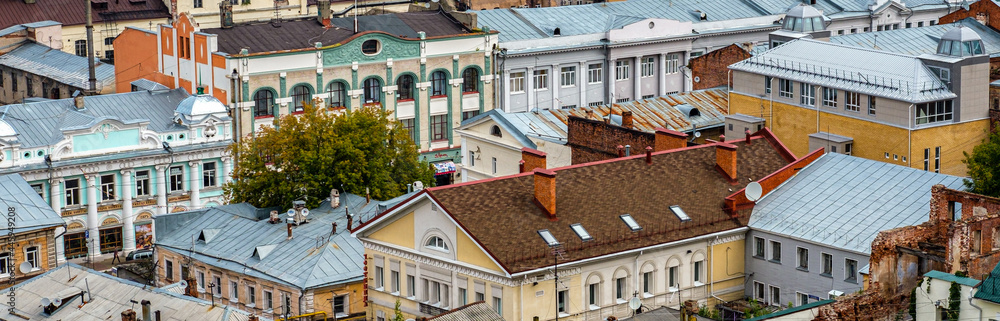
567,76
807,95
31,256
345,305
760,248
673,276
5,258
268,297
540,80
799,296
759,291
622,69
648,66
108,192
648,287
517,82
872,102
829,97
437,243
774,258
594,295
774,291
142,183
786,88
234,291
673,63
852,101
562,301
698,272
621,289
595,75
798,258
850,278
200,277
178,184
208,177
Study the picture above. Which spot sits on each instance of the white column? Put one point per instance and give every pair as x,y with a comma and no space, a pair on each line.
195,184
54,200
529,86
128,226
161,188
506,90
662,75
226,162
581,81
556,83
637,84
610,80
92,219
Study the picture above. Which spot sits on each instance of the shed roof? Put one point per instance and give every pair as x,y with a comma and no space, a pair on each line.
844,201
56,64
30,210
919,40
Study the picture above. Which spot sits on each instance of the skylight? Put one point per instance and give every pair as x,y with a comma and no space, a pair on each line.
548,238
580,231
680,213
632,224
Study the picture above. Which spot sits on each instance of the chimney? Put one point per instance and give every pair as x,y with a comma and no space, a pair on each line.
334,198
368,196
621,151
545,191
226,17
289,227
323,12
627,119
669,139
649,155
78,101
156,315
334,232
532,159
725,159
722,138
747,135
192,285
590,113
350,220
520,166
145,310
128,315
253,317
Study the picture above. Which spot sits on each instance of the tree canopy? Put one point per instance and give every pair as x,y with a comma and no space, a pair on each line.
984,167
304,156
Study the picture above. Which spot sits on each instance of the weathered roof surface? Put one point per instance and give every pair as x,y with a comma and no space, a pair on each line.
476,311
25,26
146,84
952,278
844,201
862,70
989,290
521,125
502,215
30,210
791,310
300,34
56,64
920,40
42,123
670,112
70,12
110,296
301,262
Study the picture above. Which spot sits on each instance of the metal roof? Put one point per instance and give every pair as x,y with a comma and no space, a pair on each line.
844,201
952,278
69,12
831,137
30,210
669,112
791,310
60,66
146,84
25,26
476,311
110,296
920,40
862,70
989,290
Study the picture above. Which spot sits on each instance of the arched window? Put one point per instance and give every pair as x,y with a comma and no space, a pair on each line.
263,100
437,243
439,84
300,96
373,90
470,80
495,131
81,47
336,94
405,87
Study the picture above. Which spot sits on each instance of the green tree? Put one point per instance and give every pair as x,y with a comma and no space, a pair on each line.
397,315
305,156
984,167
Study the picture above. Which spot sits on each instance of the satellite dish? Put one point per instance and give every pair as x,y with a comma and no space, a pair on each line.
25,267
753,191
697,134
634,303
57,302
291,212
183,283
46,302
305,212
427,5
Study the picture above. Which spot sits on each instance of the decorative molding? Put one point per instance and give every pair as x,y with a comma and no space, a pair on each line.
727,239
440,264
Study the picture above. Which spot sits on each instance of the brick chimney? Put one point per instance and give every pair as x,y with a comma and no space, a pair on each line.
627,119
545,191
533,159
621,151
669,139
253,317
725,159
747,136
128,315
649,155
289,227
192,285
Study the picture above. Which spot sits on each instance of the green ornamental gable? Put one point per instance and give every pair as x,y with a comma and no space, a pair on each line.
391,47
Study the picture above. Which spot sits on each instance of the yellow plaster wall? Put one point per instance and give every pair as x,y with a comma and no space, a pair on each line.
727,261
399,232
953,140
468,252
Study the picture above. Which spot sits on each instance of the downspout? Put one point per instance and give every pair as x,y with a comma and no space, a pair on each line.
520,307
636,267
301,295
975,306
729,91
909,134
771,99
708,274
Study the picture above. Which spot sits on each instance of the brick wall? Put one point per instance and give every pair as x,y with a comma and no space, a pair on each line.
712,68
738,200
592,140
985,11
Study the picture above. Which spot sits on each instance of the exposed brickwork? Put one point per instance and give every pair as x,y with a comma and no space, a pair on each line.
533,159
712,69
725,158
669,139
545,191
593,140
983,11
738,200
864,307
128,315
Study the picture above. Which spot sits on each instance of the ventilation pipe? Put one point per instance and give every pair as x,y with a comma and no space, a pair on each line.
146,315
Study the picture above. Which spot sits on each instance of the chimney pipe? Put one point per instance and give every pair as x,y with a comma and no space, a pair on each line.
350,220
78,102
323,12
747,133
368,196
628,150
289,227
145,310
649,155
156,315
532,159
545,191
520,166
627,119
128,315
666,139
621,151
334,232
722,138
725,159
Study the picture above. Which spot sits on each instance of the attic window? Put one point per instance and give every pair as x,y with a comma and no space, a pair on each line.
680,213
548,238
581,232
632,224
495,131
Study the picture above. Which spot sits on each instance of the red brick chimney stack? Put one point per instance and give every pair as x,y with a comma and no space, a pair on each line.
545,191
128,315
649,155
533,159
621,151
725,159
627,119
666,139
747,136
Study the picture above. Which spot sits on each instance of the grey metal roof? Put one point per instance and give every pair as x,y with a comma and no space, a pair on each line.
745,118
476,311
862,70
831,137
110,296
920,40
42,123
63,67
30,210
844,201
25,26
312,258
803,11
146,84
503,120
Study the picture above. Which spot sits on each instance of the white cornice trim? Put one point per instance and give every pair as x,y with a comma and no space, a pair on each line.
459,267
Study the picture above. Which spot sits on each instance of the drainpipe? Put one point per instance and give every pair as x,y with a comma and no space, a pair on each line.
301,295
708,274
729,91
636,267
771,99
520,307
975,306
909,134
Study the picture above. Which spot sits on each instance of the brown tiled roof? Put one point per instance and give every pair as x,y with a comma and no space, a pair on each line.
501,214
71,12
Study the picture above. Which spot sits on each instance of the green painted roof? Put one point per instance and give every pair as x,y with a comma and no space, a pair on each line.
792,310
989,290
952,278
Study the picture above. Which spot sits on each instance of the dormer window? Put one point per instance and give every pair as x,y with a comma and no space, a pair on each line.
437,243
960,42
632,224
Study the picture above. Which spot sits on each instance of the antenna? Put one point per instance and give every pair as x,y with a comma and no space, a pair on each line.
753,191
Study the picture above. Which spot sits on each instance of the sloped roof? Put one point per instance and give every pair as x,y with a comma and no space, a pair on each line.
989,289
56,64
670,112
25,26
476,311
844,201
70,12
791,310
952,278
146,84
30,210
862,70
919,40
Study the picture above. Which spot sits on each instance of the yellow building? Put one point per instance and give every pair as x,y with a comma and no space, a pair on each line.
918,111
28,243
617,228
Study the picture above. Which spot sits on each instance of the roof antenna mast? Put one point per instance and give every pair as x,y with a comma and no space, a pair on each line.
355,16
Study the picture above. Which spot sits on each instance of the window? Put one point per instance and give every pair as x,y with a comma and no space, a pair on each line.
439,126
673,63
268,300
218,286
169,267
871,105
803,298
201,280
594,73
394,281
937,159
852,101
336,95
933,112
263,100
775,295
285,302
494,165
909,25
829,97
176,178
920,24
142,183
13,82
411,286
567,76
648,66
803,258
620,288
767,84
977,239
108,187
580,231
595,103
251,295
379,275
854,30
540,80
72,187
942,74
849,147
850,270
785,88
372,90
234,291
840,32
208,174
371,47
437,243
775,251
672,278
407,125
439,84
547,236
29,86
517,82
933,22
198,3
463,296
594,295
81,47
405,87
300,96
470,80
480,296
647,282
31,256
621,69
5,263
39,189
758,244
561,298
469,114
927,159
498,306
697,271
807,94
758,291
632,224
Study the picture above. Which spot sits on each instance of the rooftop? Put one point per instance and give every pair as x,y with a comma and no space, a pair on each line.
70,12
30,210
56,64
919,40
952,278
792,310
989,289
844,201
476,311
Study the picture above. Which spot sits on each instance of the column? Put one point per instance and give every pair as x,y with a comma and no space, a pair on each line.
637,84
128,226
92,221
662,75
529,86
195,184
226,162
556,83
55,199
581,80
506,91
609,80
161,189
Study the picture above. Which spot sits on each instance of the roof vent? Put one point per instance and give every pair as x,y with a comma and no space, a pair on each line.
557,32
263,251
208,234
78,99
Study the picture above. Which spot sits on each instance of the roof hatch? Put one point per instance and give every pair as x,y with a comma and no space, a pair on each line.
632,224
581,232
680,213
547,236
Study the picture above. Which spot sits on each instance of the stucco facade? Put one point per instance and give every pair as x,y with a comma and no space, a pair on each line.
491,151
